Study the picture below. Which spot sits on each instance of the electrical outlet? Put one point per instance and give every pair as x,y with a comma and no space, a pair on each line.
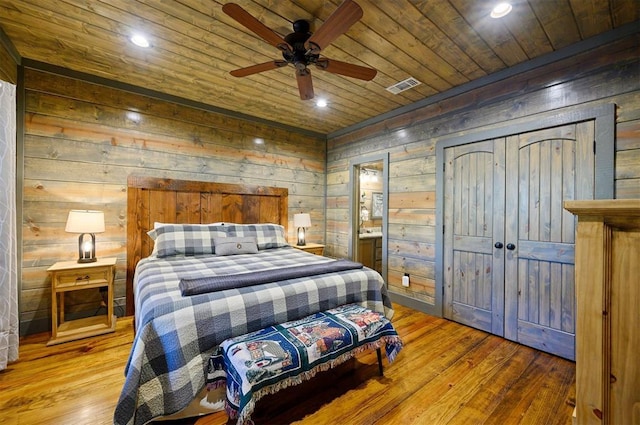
405,280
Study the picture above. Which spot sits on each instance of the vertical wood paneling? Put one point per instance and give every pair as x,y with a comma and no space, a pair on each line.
533,217
162,207
568,189
211,204
545,190
269,211
555,296
465,193
251,212
545,293
556,210
232,208
522,307
472,192
522,201
188,208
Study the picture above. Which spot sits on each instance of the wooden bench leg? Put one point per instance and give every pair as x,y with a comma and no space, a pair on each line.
379,360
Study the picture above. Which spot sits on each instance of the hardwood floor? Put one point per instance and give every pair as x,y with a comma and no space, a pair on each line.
447,373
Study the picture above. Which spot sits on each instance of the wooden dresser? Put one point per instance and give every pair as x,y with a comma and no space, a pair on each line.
607,266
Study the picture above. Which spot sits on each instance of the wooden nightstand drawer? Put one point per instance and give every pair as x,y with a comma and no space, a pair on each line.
313,248
96,277
317,251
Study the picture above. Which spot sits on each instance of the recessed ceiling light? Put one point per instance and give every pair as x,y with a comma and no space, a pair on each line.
140,40
500,10
321,103
134,116
258,141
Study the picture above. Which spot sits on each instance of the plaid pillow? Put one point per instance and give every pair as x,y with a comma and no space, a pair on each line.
267,235
185,239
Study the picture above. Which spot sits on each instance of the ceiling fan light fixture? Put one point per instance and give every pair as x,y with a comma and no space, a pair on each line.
302,48
500,10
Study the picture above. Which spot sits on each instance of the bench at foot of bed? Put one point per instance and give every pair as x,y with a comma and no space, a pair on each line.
279,356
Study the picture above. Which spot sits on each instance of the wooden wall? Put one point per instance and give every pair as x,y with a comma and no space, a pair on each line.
81,142
609,74
8,65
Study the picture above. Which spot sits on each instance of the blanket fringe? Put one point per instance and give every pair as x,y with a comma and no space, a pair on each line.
244,417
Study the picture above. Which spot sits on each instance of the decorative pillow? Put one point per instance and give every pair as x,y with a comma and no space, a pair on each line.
233,246
267,235
185,239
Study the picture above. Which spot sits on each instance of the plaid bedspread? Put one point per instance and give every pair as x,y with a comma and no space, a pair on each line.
176,335
266,361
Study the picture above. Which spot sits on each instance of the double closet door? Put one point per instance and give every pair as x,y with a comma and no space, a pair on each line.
508,243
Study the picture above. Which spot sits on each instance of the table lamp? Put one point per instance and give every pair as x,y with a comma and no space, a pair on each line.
301,221
85,222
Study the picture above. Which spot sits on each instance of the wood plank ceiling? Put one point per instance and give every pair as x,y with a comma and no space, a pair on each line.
441,43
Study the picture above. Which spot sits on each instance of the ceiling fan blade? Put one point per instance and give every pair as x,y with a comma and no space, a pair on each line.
347,14
244,18
346,69
254,69
305,85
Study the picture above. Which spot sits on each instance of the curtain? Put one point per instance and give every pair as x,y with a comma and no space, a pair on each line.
9,334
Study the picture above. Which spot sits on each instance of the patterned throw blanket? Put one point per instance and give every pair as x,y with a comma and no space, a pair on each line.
279,356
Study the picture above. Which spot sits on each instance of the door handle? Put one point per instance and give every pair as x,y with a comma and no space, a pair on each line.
498,245
511,246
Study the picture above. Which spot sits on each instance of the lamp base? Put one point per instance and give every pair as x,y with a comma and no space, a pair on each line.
87,250
87,260
301,241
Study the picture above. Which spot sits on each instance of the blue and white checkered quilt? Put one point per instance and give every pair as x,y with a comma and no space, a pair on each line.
176,335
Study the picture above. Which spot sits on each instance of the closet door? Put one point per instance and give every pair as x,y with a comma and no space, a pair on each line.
544,168
474,221
508,243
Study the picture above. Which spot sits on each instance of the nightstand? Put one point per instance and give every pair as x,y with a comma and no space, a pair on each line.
69,276
314,248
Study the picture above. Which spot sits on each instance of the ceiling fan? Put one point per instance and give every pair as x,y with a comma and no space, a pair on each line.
301,48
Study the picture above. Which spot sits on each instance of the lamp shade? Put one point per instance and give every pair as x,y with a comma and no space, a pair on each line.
301,220
85,221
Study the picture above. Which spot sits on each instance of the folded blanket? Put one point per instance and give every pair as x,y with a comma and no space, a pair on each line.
220,283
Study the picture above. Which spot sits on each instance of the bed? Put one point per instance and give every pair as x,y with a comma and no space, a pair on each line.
175,334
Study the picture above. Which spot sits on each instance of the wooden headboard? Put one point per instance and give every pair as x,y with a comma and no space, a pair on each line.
151,199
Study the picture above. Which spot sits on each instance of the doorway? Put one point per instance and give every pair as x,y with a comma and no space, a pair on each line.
368,212
509,243
506,264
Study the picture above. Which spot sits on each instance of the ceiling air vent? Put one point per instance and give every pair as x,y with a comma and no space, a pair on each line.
403,85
